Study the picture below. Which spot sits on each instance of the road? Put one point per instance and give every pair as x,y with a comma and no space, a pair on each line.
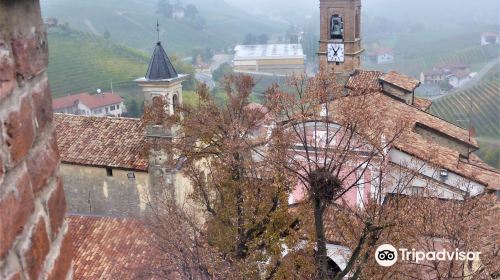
206,78
89,24
219,59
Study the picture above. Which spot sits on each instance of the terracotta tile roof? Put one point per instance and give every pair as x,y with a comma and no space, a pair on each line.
361,80
101,141
445,157
452,65
435,72
416,145
489,34
422,103
111,248
461,74
91,101
369,80
402,81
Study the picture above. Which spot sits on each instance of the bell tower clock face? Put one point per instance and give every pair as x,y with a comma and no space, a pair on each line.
336,52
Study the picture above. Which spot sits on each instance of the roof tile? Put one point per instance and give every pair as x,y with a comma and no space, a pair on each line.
402,81
102,141
111,248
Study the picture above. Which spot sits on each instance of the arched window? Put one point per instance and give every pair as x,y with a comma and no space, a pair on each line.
333,268
358,26
336,27
175,102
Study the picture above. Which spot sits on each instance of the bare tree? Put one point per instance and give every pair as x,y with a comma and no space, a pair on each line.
241,197
327,149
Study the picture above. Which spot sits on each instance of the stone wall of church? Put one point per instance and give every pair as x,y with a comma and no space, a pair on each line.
34,239
90,190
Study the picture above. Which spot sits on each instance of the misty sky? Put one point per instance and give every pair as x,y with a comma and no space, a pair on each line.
422,11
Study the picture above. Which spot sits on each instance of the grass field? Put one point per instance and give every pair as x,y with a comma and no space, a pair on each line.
82,62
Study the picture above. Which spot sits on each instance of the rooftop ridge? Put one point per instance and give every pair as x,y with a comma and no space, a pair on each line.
100,117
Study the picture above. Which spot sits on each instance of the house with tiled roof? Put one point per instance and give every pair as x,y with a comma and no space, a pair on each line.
382,55
455,74
100,104
488,38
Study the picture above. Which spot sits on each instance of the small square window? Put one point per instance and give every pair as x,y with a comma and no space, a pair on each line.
416,191
117,106
109,171
112,108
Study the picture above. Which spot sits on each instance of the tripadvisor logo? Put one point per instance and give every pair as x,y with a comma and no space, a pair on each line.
386,255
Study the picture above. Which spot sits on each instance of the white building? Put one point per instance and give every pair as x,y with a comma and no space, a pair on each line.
272,58
382,56
459,78
487,38
101,104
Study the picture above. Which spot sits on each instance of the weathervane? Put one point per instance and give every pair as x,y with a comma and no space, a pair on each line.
158,29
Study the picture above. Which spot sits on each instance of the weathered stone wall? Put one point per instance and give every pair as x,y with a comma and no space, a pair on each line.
89,190
34,239
443,141
397,92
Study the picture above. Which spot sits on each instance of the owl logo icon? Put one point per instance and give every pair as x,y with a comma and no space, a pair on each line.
386,255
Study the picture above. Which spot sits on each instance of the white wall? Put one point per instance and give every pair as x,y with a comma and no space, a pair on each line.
453,184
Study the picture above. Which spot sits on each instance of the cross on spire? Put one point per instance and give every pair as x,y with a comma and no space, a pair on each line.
158,29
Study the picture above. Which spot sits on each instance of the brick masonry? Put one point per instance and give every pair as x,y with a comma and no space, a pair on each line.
350,11
34,239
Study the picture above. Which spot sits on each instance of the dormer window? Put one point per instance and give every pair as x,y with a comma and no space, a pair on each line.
399,86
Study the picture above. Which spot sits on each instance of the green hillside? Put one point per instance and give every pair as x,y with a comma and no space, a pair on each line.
133,23
412,61
82,62
479,104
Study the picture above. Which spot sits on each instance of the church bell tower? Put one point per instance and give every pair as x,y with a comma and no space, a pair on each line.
340,35
161,81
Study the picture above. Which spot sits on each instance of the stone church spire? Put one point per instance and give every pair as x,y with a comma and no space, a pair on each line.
160,67
162,80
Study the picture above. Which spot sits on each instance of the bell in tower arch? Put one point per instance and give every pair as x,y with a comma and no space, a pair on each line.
336,28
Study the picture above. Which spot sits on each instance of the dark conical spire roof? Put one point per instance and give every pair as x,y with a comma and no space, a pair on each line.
160,67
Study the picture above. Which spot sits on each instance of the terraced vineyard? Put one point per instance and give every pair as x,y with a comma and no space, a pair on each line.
474,55
479,104
83,62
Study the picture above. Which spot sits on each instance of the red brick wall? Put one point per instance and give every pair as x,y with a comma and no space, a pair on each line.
34,239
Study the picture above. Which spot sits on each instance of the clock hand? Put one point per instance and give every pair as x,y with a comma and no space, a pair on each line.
335,51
